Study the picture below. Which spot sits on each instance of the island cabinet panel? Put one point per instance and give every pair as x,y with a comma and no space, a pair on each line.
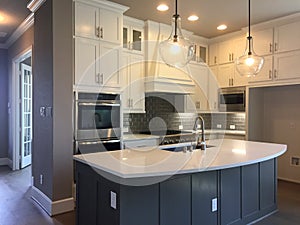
230,196
139,205
175,201
268,184
250,191
204,190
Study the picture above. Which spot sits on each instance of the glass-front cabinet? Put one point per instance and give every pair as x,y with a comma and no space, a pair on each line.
133,35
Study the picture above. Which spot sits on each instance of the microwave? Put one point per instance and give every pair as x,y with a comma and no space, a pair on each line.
232,99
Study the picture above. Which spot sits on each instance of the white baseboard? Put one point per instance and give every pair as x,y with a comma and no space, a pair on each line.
4,161
289,180
52,208
10,163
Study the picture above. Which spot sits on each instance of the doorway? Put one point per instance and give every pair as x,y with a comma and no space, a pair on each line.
22,110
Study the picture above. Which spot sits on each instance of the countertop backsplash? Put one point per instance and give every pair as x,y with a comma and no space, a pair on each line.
161,114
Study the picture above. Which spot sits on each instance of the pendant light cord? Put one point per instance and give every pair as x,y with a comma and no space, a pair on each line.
176,18
249,22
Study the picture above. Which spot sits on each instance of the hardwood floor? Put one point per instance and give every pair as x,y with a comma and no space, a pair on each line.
16,205
17,208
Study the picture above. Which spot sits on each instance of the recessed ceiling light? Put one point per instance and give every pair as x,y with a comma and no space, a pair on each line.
162,7
193,18
222,27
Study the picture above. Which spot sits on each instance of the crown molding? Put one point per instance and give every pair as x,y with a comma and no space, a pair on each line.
24,26
34,5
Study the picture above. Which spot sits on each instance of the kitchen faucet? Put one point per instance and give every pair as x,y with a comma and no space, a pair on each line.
200,143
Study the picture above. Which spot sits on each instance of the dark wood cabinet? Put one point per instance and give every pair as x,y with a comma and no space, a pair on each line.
244,194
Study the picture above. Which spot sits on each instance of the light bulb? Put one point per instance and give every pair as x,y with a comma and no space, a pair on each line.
250,61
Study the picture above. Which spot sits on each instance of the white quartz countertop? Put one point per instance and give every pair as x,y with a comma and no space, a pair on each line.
152,161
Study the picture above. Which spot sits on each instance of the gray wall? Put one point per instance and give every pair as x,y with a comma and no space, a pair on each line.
22,44
3,104
53,79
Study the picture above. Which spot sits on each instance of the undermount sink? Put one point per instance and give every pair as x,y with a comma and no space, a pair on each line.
182,148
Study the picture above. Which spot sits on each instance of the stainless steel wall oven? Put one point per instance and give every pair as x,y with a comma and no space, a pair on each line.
97,122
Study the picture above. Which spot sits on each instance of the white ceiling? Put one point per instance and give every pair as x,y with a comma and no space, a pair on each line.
212,13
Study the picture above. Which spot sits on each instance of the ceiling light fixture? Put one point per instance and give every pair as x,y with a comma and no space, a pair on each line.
249,64
162,7
177,50
193,18
222,27
2,18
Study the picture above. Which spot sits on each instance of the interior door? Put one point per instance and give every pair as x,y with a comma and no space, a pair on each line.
26,115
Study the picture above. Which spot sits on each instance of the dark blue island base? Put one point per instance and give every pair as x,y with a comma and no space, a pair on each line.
244,194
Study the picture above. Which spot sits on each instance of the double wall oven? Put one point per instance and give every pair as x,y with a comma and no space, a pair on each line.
97,122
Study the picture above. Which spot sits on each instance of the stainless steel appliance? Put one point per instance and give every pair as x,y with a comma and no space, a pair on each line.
97,122
232,99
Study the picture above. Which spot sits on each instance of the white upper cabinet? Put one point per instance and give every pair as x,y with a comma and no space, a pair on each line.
213,54
230,50
86,20
96,64
102,21
266,73
133,35
263,41
133,90
287,66
287,37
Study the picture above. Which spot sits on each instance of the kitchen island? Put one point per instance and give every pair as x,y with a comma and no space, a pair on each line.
233,182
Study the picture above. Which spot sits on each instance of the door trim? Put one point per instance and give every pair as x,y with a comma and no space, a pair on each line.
14,121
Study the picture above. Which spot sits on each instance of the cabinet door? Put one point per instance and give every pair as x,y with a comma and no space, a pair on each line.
86,20
109,61
225,74
86,63
239,80
199,73
287,66
110,26
266,73
263,41
125,77
213,54
226,50
136,39
137,89
287,37
213,90
175,201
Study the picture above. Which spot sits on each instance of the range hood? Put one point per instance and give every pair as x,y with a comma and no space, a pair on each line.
154,84
159,76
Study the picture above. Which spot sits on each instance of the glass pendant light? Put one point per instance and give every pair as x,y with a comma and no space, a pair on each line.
249,64
177,50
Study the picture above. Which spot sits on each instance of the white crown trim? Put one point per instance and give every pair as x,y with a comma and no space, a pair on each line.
34,5
24,26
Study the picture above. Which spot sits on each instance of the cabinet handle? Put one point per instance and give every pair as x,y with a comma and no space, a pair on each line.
229,57
129,46
97,32
270,74
101,78
271,47
129,103
232,56
231,81
97,78
275,73
276,47
101,32
197,105
215,59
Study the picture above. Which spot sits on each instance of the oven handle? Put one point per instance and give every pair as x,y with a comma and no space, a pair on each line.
97,104
98,142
